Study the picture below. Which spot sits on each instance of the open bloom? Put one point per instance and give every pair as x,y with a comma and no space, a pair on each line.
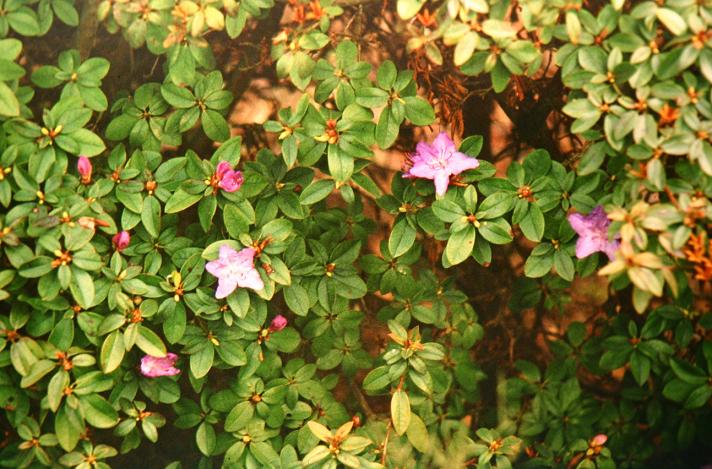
593,233
278,323
153,367
234,269
228,179
121,240
438,162
84,168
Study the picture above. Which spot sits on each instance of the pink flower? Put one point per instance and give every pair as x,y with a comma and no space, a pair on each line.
438,162
84,168
228,179
593,233
234,269
121,240
153,367
598,440
278,323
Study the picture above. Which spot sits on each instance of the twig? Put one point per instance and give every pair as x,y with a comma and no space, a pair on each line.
385,442
370,415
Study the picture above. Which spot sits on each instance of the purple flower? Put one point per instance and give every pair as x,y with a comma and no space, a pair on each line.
438,162
121,240
153,367
84,168
228,179
593,233
234,269
278,323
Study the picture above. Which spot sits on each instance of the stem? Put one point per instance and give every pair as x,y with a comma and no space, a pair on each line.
385,442
88,24
370,415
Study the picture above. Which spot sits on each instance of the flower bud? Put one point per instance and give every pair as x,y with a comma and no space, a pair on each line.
121,240
278,323
599,440
84,167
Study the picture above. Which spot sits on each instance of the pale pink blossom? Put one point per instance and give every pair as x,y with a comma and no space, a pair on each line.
228,179
84,168
438,162
234,269
593,233
278,323
153,367
121,240
598,440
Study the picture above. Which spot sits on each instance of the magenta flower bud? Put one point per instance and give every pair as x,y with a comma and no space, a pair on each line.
278,323
598,440
228,179
84,167
121,240
153,367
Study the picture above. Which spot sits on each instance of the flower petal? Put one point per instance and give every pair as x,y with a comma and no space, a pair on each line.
251,279
216,267
460,162
226,285
578,223
422,170
442,180
587,245
444,144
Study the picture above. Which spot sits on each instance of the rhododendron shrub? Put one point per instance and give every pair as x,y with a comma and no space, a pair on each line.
346,233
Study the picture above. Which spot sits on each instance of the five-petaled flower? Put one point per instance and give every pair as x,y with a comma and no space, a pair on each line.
121,240
234,269
84,168
228,179
153,367
438,162
278,323
593,233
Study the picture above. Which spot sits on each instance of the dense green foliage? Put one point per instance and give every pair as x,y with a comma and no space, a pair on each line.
103,265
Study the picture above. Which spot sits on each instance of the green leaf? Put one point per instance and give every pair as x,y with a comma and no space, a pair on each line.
460,245
316,191
538,266
387,128
418,110
9,105
532,225
564,265
90,144
400,411
112,351
215,126
180,98
672,20
297,299
402,238
82,287
418,435
205,438
151,215
239,416
181,200
149,342
202,361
